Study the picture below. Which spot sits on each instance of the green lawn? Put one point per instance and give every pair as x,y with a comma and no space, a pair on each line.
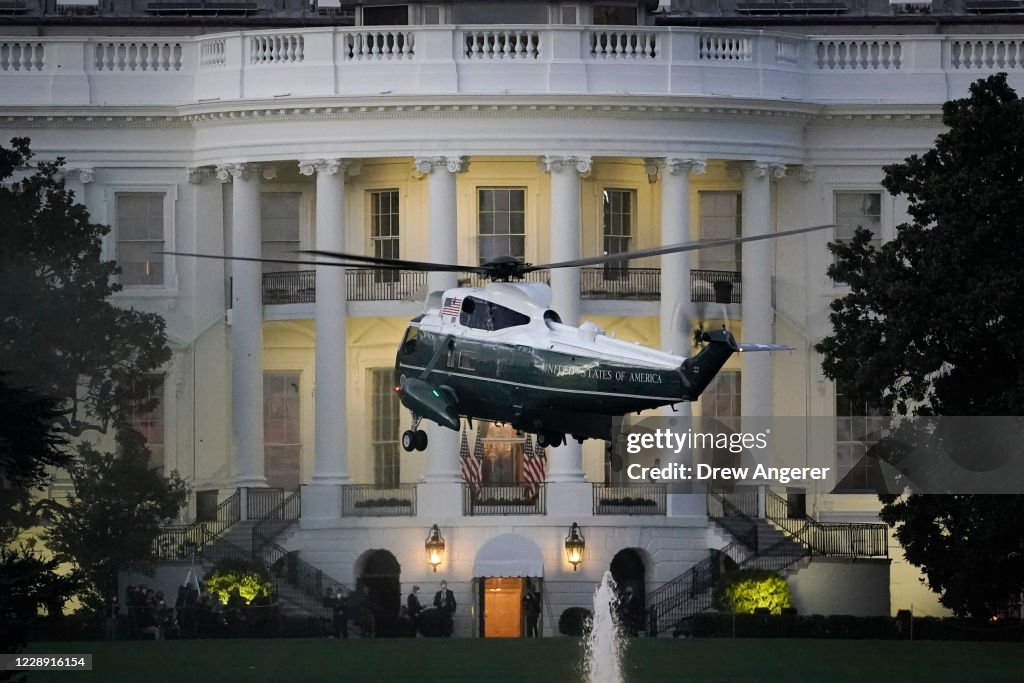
536,661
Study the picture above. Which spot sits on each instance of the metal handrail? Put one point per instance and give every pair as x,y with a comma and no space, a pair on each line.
630,499
521,498
277,520
367,500
181,542
732,511
828,539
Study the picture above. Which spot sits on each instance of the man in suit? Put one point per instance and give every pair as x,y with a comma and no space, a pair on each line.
413,604
444,600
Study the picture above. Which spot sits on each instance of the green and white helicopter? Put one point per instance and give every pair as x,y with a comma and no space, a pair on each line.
499,353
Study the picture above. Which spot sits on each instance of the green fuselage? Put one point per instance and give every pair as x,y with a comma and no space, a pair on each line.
535,389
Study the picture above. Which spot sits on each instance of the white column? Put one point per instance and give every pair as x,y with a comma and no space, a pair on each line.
442,228
246,324
676,307
566,464
330,464
442,463
758,315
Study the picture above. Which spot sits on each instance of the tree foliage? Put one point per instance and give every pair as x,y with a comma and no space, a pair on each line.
116,511
72,363
933,325
63,338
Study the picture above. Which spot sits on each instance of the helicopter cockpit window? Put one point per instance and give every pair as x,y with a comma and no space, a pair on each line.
409,341
481,314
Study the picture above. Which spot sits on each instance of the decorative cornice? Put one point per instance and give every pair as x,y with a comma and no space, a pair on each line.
197,174
83,174
556,164
674,166
757,169
805,173
425,165
236,171
350,167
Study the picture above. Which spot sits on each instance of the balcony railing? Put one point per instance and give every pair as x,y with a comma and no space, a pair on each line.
716,287
469,60
359,500
629,499
641,284
504,499
299,287
635,284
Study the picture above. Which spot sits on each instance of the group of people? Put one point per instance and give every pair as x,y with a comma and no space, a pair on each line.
444,602
194,613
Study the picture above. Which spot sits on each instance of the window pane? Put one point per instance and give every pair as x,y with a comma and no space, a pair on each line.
501,213
858,210
279,221
385,419
140,238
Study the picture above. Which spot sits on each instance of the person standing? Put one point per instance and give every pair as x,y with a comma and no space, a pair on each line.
444,601
531,607
413,604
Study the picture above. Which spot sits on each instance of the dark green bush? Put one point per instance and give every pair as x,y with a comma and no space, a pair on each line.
574,621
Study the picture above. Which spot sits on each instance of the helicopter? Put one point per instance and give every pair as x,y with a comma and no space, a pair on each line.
499,353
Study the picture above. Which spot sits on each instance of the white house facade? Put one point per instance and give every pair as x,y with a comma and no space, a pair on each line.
452,132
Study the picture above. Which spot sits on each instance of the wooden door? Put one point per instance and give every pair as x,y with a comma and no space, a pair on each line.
503,601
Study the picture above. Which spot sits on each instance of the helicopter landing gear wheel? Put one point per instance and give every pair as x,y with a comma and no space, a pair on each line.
545,439
409,440
414,440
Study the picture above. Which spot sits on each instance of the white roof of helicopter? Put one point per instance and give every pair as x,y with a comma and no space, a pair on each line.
441,314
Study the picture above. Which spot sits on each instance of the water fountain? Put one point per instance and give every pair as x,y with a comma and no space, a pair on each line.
605,644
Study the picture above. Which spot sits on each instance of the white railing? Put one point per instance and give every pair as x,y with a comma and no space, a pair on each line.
138,56
718,48
368,45
859,54
18,56
987,54
502,44
623,44
287,48
211,54
464,60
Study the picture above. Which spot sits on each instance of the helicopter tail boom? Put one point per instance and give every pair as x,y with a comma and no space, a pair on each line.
698,371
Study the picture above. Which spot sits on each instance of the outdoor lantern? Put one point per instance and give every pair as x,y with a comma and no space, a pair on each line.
574,545
435,547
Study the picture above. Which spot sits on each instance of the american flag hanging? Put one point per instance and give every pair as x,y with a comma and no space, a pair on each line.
452,306
534,466
472,472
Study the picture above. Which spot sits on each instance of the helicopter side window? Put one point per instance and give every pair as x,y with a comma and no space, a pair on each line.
480,314
409,341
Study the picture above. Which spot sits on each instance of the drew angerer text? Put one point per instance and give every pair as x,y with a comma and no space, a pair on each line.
702,472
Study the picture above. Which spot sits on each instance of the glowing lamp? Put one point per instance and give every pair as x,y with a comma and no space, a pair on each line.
435,547
574,545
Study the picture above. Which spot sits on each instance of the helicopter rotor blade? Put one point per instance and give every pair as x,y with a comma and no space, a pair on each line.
379,262
669,249
297,262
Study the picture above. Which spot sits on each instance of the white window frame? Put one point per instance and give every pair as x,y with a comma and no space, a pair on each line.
476,216
886,219
170,193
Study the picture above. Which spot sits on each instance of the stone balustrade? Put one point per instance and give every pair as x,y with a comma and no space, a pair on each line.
481,60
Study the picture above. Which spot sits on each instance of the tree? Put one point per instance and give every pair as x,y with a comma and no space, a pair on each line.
72,364
115,513
932,325
29,583
63,338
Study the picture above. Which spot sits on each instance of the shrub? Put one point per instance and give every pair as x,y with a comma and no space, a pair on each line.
247,576
744,590
574,621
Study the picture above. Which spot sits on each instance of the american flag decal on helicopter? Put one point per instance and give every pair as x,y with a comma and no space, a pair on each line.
452,306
